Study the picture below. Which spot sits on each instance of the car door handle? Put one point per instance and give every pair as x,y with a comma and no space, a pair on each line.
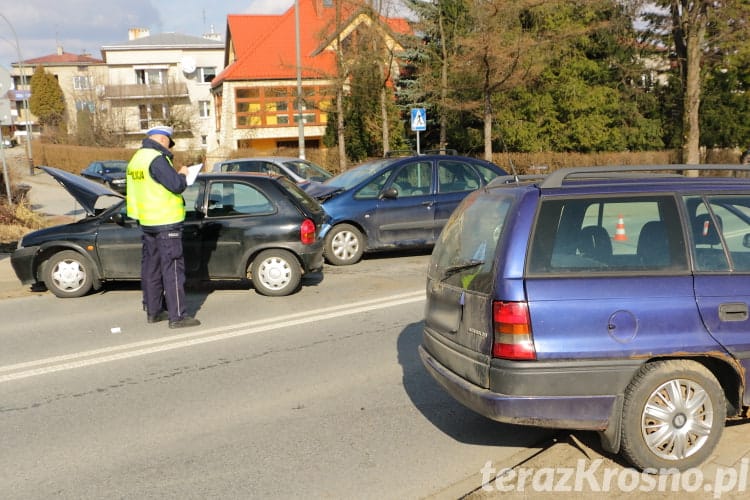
733,311
428,203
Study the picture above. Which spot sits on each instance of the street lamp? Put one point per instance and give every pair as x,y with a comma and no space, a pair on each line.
300,115
25,97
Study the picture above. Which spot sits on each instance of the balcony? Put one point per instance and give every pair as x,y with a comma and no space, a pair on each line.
139,91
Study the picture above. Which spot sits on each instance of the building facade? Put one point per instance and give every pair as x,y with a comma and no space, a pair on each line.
162,79
256,97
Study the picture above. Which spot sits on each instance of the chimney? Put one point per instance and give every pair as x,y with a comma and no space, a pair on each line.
60,50
136,33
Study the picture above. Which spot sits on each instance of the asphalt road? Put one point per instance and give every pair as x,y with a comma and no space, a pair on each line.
316,395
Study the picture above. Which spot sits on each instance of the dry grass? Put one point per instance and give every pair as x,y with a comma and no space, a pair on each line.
17,220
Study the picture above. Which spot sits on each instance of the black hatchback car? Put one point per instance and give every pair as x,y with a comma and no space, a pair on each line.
237,226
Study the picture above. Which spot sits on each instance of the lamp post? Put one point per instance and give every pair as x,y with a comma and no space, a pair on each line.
300,115
29,156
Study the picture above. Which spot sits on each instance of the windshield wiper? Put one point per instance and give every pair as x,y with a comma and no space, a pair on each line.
451,270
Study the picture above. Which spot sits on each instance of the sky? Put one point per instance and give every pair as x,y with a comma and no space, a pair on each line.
38,27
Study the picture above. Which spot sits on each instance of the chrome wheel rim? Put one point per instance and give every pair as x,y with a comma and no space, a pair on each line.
345,245
275,273
677,419
68,275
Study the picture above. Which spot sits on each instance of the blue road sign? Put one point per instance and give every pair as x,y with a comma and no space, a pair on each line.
418,119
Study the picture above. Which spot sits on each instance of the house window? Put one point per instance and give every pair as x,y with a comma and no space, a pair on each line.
204,109
83,105
150,76
152,115
277,106
82,83
206,73
204,141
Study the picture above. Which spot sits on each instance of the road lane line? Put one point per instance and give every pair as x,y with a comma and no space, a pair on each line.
135,349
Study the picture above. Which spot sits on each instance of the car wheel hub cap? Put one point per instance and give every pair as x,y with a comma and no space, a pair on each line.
345,245
275,273
68,275
677,419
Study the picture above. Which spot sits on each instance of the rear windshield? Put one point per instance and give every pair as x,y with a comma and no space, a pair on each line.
302,197
465,252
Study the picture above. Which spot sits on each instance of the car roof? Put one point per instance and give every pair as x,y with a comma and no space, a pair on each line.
658,176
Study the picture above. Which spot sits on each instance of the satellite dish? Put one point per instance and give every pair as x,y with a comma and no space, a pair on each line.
188,65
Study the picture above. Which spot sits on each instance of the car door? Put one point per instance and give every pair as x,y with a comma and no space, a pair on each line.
408,218
236,218
455,180
633,294
118,246
720,241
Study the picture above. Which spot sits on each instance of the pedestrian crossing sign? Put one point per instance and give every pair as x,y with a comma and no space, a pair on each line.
418,119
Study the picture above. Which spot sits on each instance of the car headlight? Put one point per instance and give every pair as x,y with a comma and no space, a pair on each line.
118,182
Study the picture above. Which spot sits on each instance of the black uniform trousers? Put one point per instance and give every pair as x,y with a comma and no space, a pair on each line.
163,273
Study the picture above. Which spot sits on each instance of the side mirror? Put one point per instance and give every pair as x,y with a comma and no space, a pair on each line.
120,219
390,194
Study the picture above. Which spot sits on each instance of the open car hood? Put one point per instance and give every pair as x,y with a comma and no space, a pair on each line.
85,192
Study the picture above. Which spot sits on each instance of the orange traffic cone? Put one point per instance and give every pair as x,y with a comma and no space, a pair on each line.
620,230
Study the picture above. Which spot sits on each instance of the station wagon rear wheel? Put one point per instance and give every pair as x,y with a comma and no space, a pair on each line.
344,245
68,274
673,415
276,273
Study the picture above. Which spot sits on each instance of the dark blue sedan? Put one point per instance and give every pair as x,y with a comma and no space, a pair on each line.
395,203
111,173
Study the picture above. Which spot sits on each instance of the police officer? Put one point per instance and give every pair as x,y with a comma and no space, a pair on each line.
154,199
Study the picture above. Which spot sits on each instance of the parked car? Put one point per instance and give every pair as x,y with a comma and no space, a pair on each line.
605,299
396,202
303,172
108,172
9,142
237,227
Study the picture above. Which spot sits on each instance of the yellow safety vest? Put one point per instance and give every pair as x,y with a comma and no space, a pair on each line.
148,201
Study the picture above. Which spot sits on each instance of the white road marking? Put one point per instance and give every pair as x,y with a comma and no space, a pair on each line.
107,354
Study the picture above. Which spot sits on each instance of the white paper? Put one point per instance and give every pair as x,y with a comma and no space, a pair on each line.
193,171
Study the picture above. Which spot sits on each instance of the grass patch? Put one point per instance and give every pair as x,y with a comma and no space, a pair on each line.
17,220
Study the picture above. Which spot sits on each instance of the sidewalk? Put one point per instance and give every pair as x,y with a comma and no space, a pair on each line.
595,473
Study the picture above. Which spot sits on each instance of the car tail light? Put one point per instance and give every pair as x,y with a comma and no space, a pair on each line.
513,339
307,232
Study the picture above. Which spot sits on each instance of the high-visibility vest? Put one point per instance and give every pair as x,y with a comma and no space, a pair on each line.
148,201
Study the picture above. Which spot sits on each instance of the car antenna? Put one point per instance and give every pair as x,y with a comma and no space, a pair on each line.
510,161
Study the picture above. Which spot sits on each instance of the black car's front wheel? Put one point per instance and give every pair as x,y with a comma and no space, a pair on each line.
673,415
276,273
344,245
67,274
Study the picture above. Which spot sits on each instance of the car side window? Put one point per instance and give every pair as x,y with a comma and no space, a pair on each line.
372,189
455,176
236,198
414,179
486,173
617,234
720,226
192,198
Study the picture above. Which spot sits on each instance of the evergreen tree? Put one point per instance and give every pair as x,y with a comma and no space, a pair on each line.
47,101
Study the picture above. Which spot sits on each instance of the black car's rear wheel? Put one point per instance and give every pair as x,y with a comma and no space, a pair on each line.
68,274
673,415
276,273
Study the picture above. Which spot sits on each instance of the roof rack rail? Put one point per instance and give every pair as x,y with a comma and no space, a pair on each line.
451,152
399,152
556,178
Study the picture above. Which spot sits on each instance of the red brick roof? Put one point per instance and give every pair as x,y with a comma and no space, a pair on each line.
264,45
